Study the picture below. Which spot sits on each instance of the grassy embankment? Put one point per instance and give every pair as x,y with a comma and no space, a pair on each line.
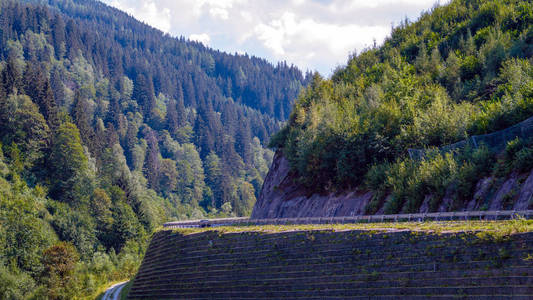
499,228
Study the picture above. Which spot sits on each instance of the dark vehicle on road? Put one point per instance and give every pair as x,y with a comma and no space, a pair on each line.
205,223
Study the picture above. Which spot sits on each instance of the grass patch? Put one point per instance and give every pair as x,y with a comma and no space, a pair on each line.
493,229
126,290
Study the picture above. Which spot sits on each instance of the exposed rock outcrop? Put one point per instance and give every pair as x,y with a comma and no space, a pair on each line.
504,194
526,194
282,197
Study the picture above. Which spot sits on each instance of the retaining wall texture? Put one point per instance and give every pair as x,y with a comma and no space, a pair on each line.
335,265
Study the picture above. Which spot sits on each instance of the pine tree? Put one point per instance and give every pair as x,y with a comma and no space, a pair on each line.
204,136
58,88
152,162
114,112
58,34
213,172
180,108
189,93
143,92
131,141
11,77
243,140
80,111
37,86
172,122
66,162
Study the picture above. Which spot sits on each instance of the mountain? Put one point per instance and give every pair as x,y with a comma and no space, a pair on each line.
461,70
108,128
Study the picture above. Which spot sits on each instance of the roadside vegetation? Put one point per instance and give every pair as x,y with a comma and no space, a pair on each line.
490,228
454,174
461,69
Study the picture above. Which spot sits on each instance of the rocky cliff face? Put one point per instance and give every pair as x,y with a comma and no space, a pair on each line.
282,197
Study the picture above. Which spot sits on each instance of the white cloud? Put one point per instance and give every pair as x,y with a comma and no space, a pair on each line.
313,34
354,4
219,8
203,38
246,16
147,11
288,35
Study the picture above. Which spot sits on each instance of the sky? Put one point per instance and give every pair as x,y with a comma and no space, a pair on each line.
315,35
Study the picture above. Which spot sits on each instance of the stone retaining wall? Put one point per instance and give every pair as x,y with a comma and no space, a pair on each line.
335,265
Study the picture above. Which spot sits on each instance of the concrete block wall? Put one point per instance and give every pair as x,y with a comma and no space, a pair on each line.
335,265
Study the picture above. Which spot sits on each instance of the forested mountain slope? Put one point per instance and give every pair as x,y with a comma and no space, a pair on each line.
459,70
109,127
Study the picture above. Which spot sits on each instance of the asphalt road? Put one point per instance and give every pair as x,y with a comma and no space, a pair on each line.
113,292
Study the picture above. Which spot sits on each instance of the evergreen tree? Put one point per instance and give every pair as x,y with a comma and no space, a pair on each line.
37,86
80,114
204,134
243,141
213,172
11,77
67,162
143,92
181,114
58,35
152,162
172,120
58,88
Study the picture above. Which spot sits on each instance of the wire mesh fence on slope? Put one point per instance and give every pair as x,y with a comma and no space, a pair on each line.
495,141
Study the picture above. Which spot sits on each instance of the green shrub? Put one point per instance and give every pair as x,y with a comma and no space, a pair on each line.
475,165
393,205
377,175
399,180
483,160
467,177
470,68
523,160
15,285
512,148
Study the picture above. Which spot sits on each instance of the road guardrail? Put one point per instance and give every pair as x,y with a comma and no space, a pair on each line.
441,216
